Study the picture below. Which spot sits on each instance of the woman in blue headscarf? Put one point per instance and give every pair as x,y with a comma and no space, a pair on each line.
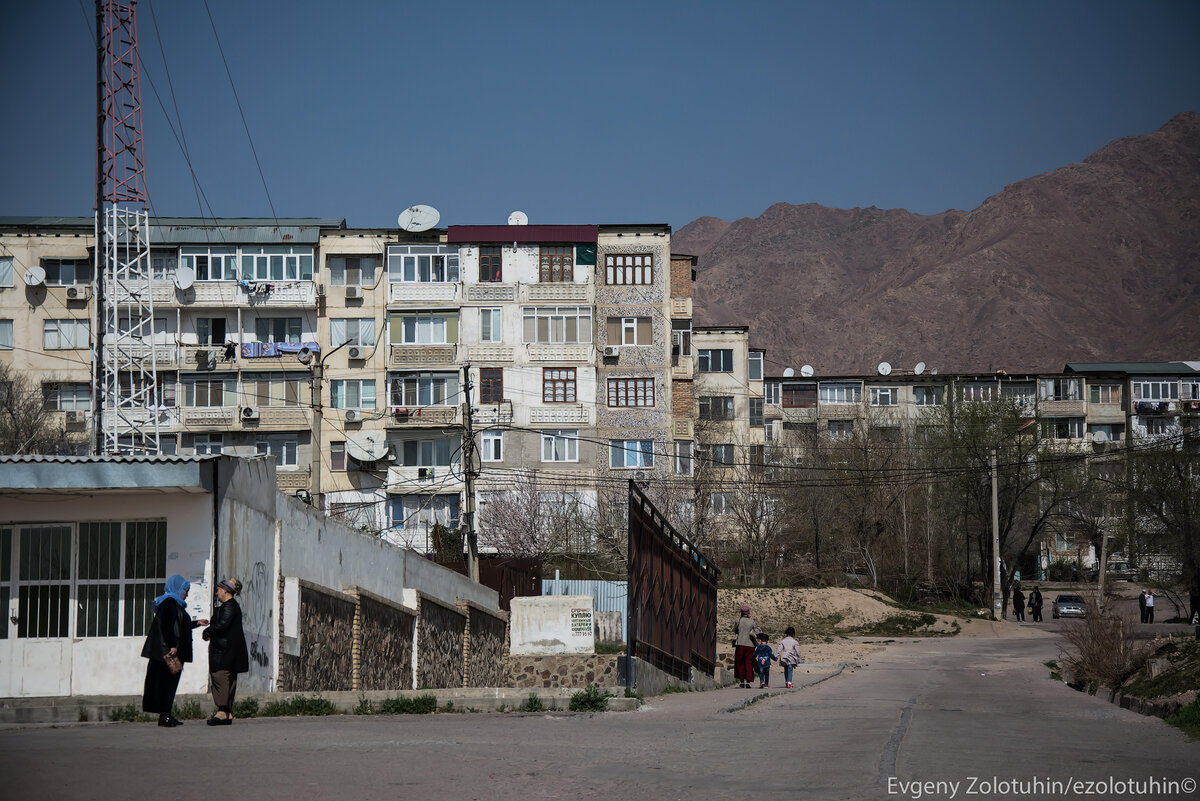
170,637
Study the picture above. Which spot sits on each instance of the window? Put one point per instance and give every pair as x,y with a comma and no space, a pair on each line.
929,396
681,338
556,264
1021,390
1063,428
716,361
67,272
352,394
979,391
438,452
66,397
429,328
423,264
491,263
210,264
1190,389
1061,389
284,447
723,454
352,270
625,453
560,446
1105,393
272,389
629,269
6,271
885,396
491,446
337,455
683,457
558,385
841,392
758,458
118,561
799,396
557,324
425,389
1159,426
356,330
491,384
631,392
209,390
422,512
163,264
841,429
277,263
61,334
1155,390
1113,432
630,331
772,395
490,329
207,444
756,365
721,503
716,407
278,329
756,412
210,330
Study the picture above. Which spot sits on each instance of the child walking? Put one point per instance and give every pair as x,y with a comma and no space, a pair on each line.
762,659
789,654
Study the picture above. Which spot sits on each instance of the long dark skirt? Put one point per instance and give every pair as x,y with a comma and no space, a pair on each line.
743,662
159,695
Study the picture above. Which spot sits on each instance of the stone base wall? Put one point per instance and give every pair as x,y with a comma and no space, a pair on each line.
487,636
439,644
325,661
385,640
576,671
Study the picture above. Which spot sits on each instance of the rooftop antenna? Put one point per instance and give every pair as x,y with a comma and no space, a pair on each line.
418,218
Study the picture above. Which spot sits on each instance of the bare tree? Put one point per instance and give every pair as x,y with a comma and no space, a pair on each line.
25,424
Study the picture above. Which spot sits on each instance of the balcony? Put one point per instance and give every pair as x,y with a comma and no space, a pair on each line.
274,418
561,353
1050,407
422,294
404,355
489,354
203,417
558,293
1150,408
423,416
492,293
494,414
439,479
560,414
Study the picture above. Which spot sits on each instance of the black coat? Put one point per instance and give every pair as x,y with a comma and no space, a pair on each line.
1018,599
226,640
171,627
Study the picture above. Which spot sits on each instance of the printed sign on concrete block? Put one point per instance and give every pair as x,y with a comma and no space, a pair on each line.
552,624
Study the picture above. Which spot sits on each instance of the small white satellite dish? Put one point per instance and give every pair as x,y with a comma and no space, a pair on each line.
35,276
185,277
369,447
884,368
419,218
933,371
920,368
806,371
518,218
1099,437
788,372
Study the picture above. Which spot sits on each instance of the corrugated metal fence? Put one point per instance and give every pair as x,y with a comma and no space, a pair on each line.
607,596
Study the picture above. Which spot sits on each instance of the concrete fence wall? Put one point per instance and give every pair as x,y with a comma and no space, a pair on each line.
325,657
383,643
486,640
440,630
563,670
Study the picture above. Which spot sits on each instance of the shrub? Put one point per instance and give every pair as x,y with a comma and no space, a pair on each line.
1187,718
593,699
533,704
420,705
189,710
364,706
1100,650
245,708
129,714
298,706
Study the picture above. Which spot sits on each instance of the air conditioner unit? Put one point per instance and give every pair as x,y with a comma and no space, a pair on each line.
612,351
75,418
676,341
353,416
353,292
79,292
425,474
355,352
249,413
320,290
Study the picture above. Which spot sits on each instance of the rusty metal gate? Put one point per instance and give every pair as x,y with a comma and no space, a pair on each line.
672,595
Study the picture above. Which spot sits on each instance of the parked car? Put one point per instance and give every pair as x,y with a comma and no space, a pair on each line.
1069,606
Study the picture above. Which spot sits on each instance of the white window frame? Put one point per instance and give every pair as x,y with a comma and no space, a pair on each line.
66,334
1155,389
202,260
773,393
208,444
1063,428
630,392
6,334
557,322
7,271
629,454
421,512
425,388
360,331
432,452
423,264
839,392
560,445
755,365
885,396
346,270
284,447
491,326
67,396
228,390
705,359
352,393
684,457
1060,389
277,263
491,446
841,429
929,396
433,327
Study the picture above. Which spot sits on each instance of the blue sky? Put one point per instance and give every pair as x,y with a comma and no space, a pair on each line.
592,112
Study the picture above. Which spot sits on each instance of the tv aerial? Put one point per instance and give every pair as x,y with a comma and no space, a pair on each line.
806,371
418,218
518,218
884,368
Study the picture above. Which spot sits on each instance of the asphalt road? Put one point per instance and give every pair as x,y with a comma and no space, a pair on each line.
926,711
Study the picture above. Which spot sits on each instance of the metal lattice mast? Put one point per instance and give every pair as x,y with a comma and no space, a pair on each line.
125,359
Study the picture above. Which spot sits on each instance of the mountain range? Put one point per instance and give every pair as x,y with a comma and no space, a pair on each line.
1094,261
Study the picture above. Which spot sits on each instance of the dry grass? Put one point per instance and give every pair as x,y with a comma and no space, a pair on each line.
1100,650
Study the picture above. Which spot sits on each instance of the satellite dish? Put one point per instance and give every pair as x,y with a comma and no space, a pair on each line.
305,354
368,447
920,368
185,277
518,218
884,368
788,372
419,218
933,371
806,371
1099,437
35,276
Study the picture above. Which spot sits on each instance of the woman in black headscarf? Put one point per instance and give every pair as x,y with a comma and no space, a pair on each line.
227,654
169,641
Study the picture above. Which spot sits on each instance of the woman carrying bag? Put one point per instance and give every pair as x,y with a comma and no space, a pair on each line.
168,646
227,654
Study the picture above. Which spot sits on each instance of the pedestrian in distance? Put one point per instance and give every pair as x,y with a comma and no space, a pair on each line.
789,654
168,648
227,655
1035,605
762,659
745,632
1018,602
1149,606
1142,605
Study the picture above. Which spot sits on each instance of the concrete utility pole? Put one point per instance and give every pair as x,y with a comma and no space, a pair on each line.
470,473
315,381
997,606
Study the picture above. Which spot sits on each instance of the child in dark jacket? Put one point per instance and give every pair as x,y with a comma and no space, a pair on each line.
762,660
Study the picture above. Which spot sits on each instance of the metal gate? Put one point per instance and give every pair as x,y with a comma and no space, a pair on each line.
672,595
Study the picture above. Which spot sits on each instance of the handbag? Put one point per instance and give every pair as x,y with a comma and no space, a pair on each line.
174,663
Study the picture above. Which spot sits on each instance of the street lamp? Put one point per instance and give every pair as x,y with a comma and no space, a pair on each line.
305,356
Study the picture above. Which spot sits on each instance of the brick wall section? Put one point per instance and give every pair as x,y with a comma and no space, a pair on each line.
384,642
577,671
681,278
683,398
325,662
439,644
487,634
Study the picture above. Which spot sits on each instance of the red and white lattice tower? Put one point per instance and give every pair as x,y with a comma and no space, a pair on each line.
127,402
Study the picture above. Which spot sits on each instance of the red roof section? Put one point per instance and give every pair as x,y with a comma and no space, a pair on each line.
476,234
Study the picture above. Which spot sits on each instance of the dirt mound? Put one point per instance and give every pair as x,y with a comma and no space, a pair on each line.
813,612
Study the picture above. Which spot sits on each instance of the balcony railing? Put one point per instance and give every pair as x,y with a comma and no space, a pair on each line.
423,354
423,293
561,353
492,293
558,293
418,416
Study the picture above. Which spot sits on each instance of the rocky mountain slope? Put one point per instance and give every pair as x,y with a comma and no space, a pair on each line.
1095,261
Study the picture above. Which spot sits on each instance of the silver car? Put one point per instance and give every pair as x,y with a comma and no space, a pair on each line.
1069,606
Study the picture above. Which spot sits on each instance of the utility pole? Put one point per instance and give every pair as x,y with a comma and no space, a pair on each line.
316,379
470,473
996,604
